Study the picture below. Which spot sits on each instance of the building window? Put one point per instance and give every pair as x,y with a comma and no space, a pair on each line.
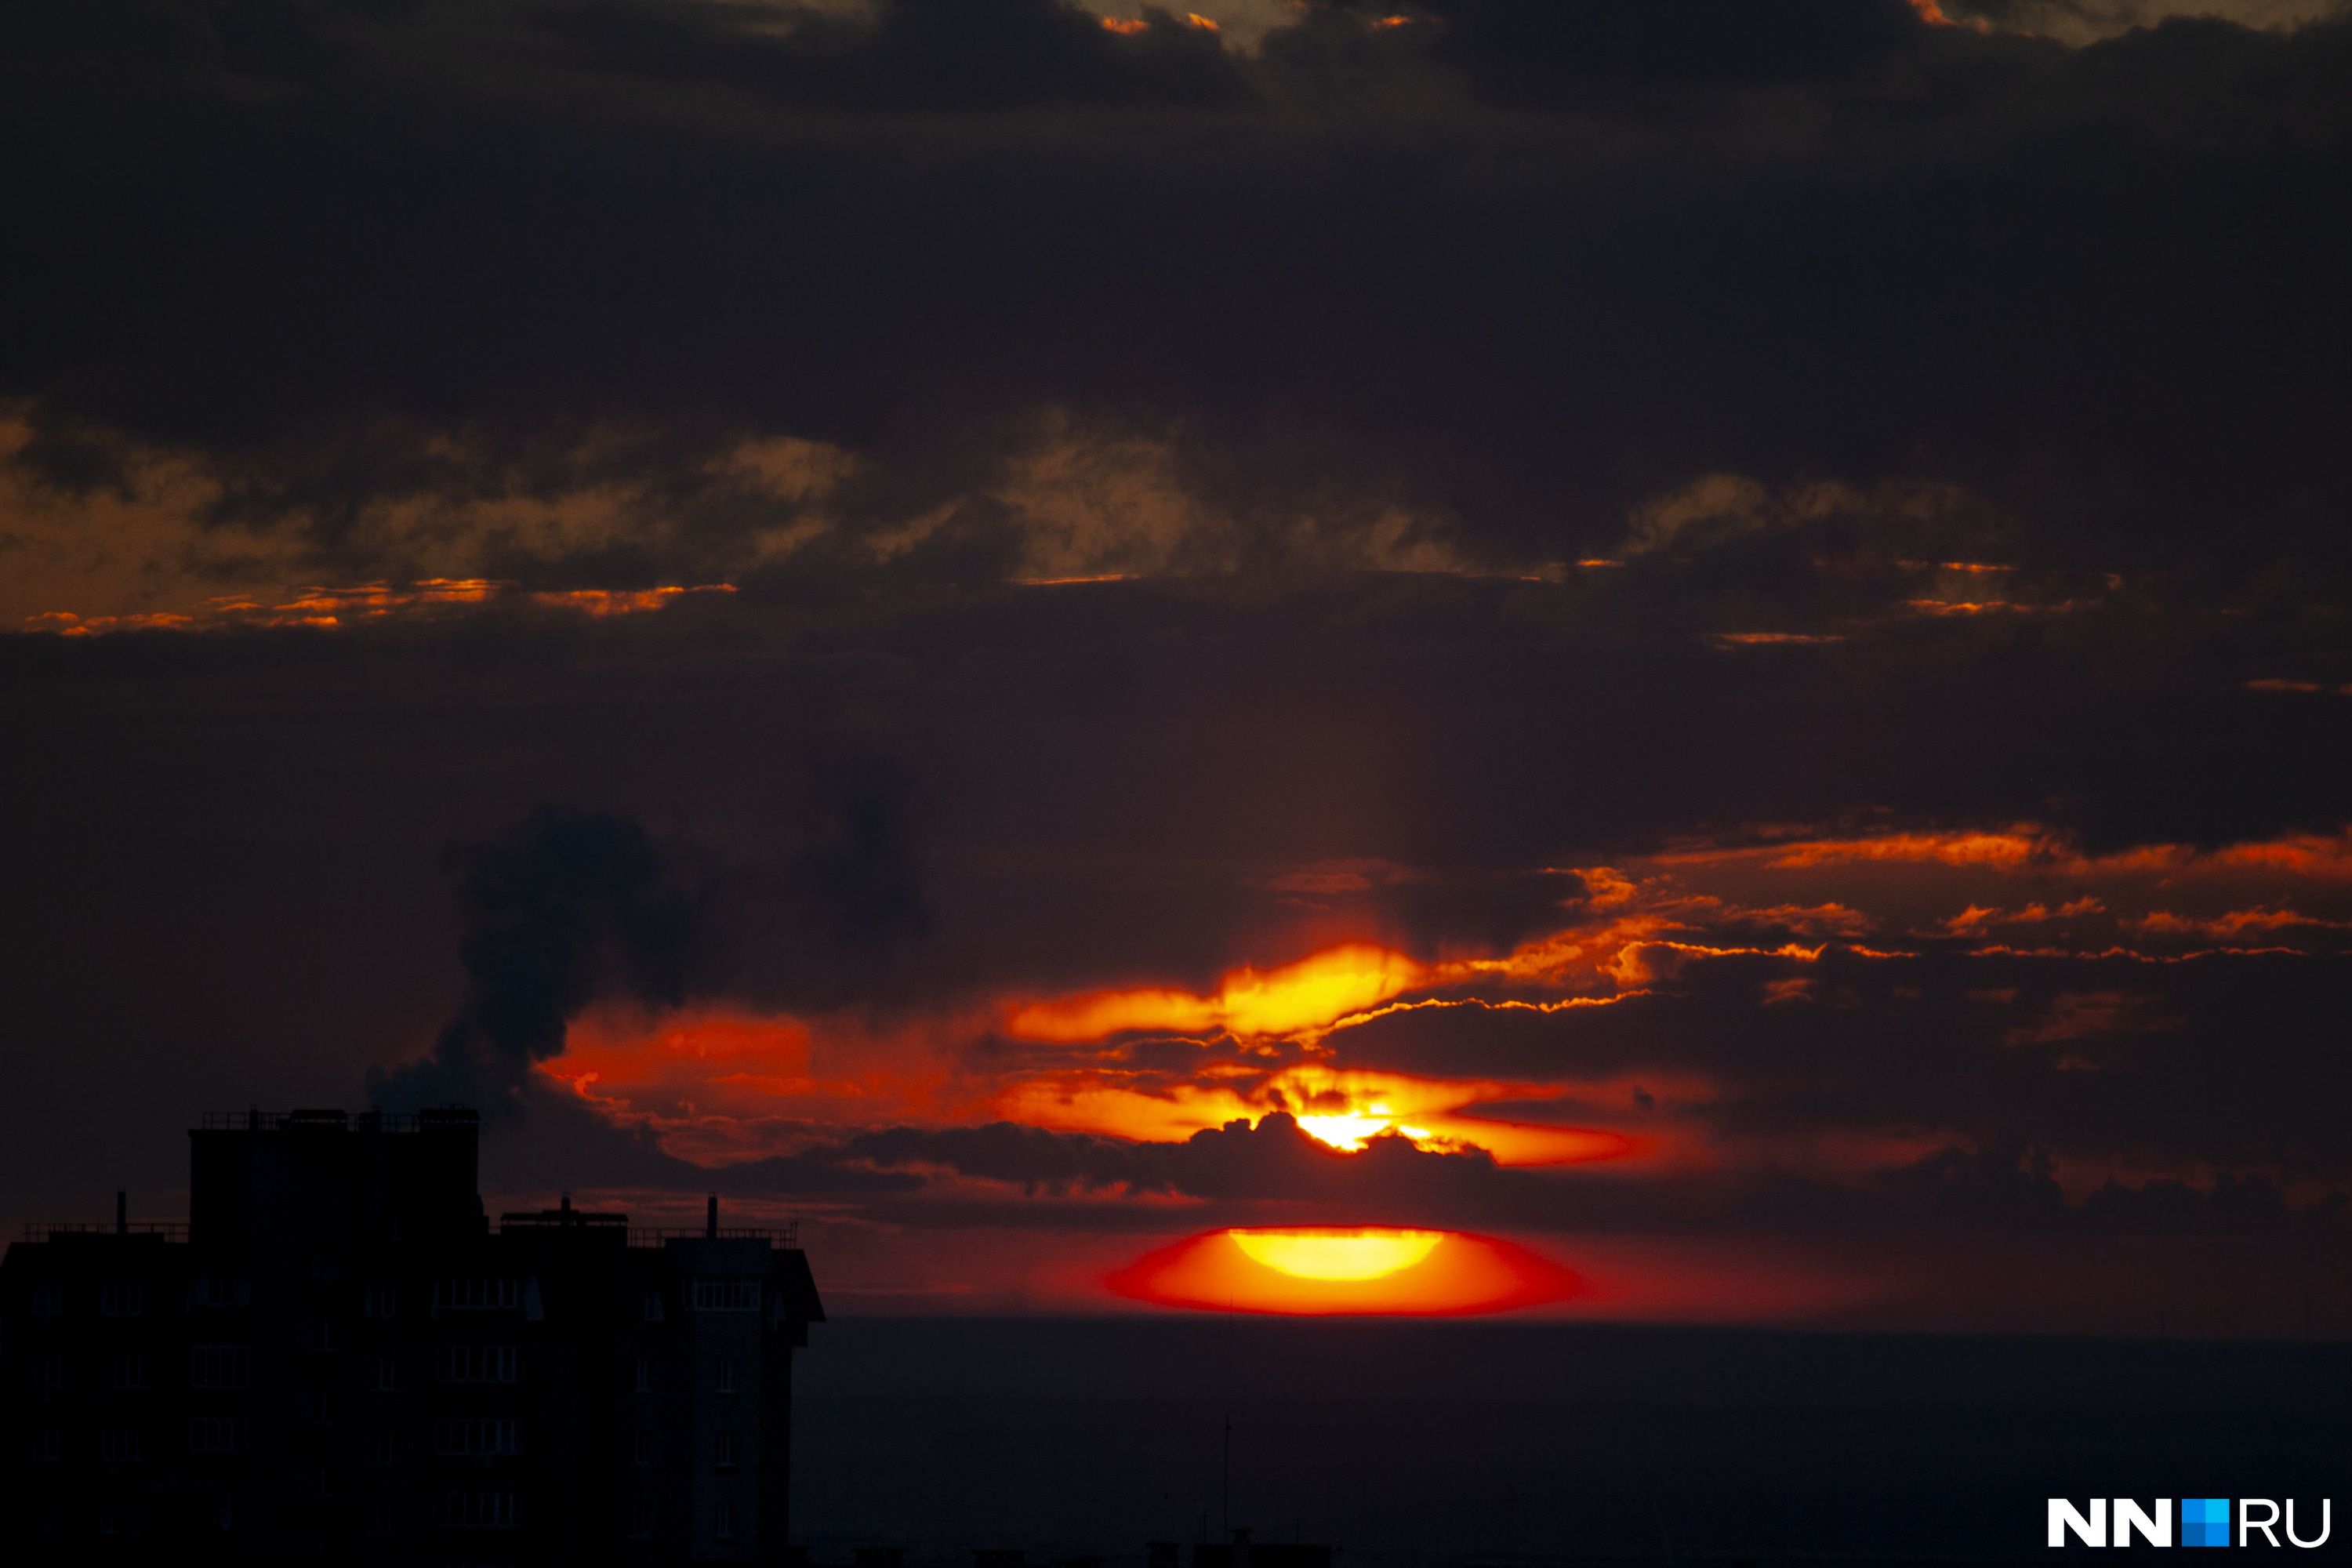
474,1438
50,1371
118,1300
318,1480
727,1375
726,1296
314,1407
382,1301
118,1519
218,1290
323,1269
476,1295
119,1445
53,1514
219,1366
49,1443
725,1523
644,1375
126,1371
218,1435
315,1334
641,1520
480,1363
384,1375
474,1511
383,1446
726,1451
641,1449
653,1306
48,1301
382,1516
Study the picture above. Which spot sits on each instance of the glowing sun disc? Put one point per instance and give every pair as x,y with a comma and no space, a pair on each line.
1332,1271
1338,1254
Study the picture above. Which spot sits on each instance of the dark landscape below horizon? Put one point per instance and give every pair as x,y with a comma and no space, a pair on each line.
1459,1443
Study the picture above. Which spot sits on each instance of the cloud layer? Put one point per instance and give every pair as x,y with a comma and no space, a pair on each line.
1705,619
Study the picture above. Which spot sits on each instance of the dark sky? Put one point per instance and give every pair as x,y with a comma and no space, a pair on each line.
948,614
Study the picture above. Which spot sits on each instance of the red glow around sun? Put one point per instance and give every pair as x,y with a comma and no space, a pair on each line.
1357,1270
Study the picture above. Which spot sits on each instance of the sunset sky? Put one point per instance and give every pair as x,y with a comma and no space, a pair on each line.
1705,640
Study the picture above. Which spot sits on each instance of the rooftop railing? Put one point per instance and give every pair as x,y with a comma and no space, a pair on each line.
785,1234
44,1229
258,1121
544,1220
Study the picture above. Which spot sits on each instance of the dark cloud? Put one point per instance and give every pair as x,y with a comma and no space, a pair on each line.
2218,1060
562,909
1541,53
918,55
1270,1162
857,871
2090,287
1274,1173
567,907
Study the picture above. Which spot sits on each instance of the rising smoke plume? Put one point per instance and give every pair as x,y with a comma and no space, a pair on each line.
563,907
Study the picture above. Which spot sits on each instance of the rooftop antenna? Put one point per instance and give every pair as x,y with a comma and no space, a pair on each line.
711,1219
122,1212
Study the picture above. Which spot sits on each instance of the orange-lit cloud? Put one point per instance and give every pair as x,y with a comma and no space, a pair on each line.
621,601
1351,982
722,1086
2232,926
1931,13
1764,639
1345,1108
2021,848
1124,25
1796,909
1313,992
1976,918
1345,1271
2013,847
1989,607
360,604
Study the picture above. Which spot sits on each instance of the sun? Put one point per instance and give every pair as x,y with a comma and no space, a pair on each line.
1353,1270
1338,1254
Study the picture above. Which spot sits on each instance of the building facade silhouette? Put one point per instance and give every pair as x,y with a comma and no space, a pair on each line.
337,1357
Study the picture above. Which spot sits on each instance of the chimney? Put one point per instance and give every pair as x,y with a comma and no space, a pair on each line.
122,1212
711,1219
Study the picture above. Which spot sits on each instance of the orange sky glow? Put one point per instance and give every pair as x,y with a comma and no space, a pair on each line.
1161,1063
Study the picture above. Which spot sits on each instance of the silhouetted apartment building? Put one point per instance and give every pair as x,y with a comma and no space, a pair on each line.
337,1357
